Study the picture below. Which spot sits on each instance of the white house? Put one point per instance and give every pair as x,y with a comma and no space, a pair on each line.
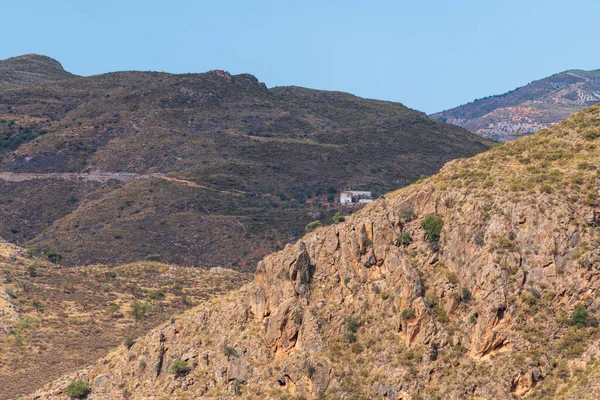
352,197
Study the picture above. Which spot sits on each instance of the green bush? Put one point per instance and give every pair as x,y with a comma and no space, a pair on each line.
407,314
140,309
78,389
311,226
31,271
310,371
466,295
433,228
230,351
129,342
352,324
405,239
452,278
54,257
156,294
338,217
180,368
579,316
407,214
112,308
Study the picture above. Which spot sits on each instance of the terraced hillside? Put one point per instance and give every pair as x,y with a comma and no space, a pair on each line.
527,109
235,170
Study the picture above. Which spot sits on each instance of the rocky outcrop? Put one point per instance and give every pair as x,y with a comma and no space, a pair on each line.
379,307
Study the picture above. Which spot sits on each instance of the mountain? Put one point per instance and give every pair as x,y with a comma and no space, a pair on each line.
54,320
479,282
204,169
527,109
31,69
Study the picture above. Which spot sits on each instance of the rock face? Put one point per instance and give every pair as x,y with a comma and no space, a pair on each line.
527,109
499,303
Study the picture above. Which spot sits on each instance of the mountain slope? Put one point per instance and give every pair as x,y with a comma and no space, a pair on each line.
55,320
231,170
527,109
31,69
479,282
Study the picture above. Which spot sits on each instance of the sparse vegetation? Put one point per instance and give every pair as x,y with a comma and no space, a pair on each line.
407,314
311,226
338,217
78,389
140,309
433,228
179,368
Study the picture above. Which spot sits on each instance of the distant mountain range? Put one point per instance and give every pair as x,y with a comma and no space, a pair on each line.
204,169
527,109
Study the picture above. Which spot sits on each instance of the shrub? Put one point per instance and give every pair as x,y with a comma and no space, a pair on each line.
112,308
310,371
352,324
452,278
156,294
110,275
407,214
140,309
229,352
407,314
405,239
466,295
106,287
54,257
350,337
78,389
311,226
180,368
31,271
338,217
579,316
433,227
10,292
129,342
153,257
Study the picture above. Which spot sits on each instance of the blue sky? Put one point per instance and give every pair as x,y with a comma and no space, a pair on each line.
428,54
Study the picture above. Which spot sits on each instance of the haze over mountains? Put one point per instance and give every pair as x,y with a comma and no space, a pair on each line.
195,169
527,109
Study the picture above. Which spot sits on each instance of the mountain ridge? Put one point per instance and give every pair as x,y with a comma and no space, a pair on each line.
529,108
281,155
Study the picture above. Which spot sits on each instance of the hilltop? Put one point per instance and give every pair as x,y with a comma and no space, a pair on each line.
479,282
527,109
229,169
31,69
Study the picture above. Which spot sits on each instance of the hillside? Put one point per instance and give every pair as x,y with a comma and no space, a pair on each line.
31,69
223,170
479,282
55,320
527,109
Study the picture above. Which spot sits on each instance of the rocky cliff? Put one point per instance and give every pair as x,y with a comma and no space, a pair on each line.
480,282
527,109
